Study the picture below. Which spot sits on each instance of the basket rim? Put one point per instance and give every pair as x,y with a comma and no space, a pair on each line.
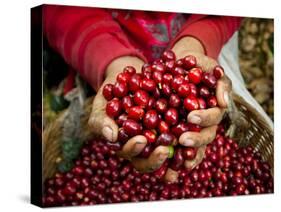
261,119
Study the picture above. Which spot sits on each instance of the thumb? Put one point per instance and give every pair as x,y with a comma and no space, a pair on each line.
223,92
100,123
207,63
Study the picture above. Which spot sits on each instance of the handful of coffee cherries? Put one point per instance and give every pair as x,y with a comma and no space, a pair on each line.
155,103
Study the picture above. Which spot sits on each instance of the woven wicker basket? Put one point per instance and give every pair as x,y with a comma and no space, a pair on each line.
255,132
250,129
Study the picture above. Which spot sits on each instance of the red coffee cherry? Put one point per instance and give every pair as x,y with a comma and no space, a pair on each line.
212,101
168,55
209,80
189,62
161,105
189,153
134,82
191,103
108,92
195,75
218,72
120,89
141,98
148,85
172,116
136,113
130,70
150,136
151,119
183,90
113,108
132,128
174,101
123,77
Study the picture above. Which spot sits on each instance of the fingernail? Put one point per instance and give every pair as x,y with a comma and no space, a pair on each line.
190,165
188,142
194,164
107,133
162,157
138,147
194,119
226,98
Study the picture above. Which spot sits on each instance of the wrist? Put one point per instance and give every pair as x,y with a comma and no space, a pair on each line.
187,44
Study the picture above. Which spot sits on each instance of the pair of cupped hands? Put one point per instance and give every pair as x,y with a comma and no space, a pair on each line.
208,119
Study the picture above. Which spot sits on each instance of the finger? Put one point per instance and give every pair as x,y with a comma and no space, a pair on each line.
223,91
133,147
171,176
206,63
197,139
206,117
153,162
100,123
190,164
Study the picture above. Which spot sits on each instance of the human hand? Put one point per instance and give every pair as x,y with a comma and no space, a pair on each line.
106,127
208,119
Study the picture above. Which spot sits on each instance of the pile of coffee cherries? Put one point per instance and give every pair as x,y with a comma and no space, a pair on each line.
155,103
100,177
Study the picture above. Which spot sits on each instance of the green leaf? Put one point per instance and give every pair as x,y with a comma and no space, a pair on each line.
58,103
65,166
71,148
70,155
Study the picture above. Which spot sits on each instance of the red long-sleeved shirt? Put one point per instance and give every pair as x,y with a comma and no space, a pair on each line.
90,38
